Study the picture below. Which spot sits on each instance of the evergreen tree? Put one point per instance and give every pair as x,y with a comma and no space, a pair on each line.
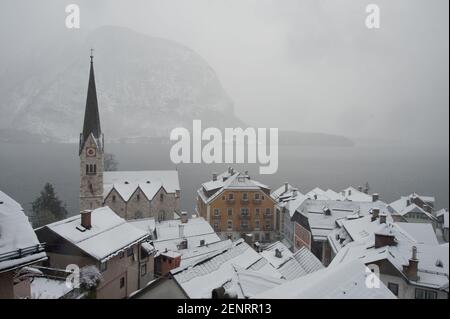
48,208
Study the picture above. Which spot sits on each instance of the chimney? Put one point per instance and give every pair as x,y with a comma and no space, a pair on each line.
360,188
180,230
86,219
384,239
183,244
184,217
315,196
375,197
410,270
286,187
214,177
202,242
278,253
383,218
375,213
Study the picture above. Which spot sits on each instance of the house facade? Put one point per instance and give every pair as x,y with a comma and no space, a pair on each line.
234,205
106,241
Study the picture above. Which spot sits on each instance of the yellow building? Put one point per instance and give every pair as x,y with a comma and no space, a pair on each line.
236,205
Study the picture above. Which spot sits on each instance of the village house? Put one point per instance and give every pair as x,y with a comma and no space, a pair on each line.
130,194
414,208
362,230
237,205
235,271
177,242
103,239
287,199
19,248
410,268
314,220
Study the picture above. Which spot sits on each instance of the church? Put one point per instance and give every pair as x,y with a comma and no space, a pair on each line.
130,194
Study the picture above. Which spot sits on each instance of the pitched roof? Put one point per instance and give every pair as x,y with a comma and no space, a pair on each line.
19,245
150,182
433,268
200,278
322,224
345,281
91,123
228,180
109,235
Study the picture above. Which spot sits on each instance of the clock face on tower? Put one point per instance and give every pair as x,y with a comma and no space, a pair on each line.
90,151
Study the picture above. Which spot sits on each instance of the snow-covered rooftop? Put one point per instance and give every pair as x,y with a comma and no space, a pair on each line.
48,288
150,182
323,224
19,245
228,180
238,266
109,234
433,267
345,281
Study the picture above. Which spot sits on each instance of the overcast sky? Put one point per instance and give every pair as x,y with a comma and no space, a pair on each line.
306,65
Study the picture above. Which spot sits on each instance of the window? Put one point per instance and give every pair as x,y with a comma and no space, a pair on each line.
256,211
122,282
425,294
230,196
114,198
230,212
393,287
244,224
244,196
143,269
138,197
216,212
268,211
91,169
121,254
130,252
103,266
257,224
244,211
257,196
216,226
161,197
230,225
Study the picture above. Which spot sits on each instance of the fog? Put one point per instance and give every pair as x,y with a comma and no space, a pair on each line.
304,65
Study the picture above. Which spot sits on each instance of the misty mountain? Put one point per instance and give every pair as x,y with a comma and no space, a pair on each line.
146,86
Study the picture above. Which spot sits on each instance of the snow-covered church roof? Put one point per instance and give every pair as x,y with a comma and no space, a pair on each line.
150,182
19,245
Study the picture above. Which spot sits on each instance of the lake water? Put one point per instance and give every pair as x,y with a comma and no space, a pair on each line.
392,171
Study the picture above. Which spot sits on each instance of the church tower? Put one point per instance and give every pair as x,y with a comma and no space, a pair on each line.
91,151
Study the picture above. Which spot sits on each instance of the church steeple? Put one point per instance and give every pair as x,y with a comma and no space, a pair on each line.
91,151
91,114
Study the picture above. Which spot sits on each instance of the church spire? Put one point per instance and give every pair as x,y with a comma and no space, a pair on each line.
91,115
